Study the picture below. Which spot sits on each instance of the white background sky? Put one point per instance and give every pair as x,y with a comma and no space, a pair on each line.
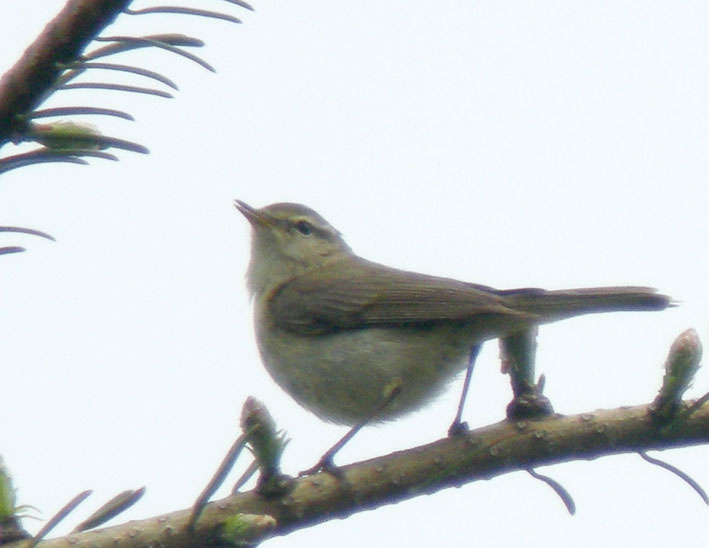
552,144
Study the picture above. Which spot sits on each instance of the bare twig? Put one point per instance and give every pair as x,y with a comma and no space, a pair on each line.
677,472
120,503
59,516
559,489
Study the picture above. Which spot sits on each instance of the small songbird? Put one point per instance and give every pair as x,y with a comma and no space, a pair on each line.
335,330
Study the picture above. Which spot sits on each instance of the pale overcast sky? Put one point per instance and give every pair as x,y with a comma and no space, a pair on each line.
550,144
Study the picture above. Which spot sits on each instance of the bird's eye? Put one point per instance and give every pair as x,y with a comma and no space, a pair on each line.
304,227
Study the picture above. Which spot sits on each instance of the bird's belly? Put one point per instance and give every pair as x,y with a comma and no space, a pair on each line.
344,376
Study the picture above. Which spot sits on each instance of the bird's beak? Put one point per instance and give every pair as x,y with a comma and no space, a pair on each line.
256,217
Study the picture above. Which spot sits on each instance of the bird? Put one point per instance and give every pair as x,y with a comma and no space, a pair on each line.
337,331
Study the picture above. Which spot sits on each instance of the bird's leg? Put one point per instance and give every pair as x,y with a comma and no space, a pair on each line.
459,427
391,391
518,353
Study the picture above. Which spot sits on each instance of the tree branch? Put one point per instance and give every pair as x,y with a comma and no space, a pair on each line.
26,84
249,518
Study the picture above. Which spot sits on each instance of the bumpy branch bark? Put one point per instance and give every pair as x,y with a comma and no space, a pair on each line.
248,518
26,84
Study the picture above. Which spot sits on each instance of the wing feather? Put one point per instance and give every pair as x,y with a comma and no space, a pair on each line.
350,294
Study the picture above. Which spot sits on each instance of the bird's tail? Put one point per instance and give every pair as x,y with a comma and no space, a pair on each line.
556,305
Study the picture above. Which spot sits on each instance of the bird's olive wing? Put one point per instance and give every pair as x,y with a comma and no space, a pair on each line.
352,294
